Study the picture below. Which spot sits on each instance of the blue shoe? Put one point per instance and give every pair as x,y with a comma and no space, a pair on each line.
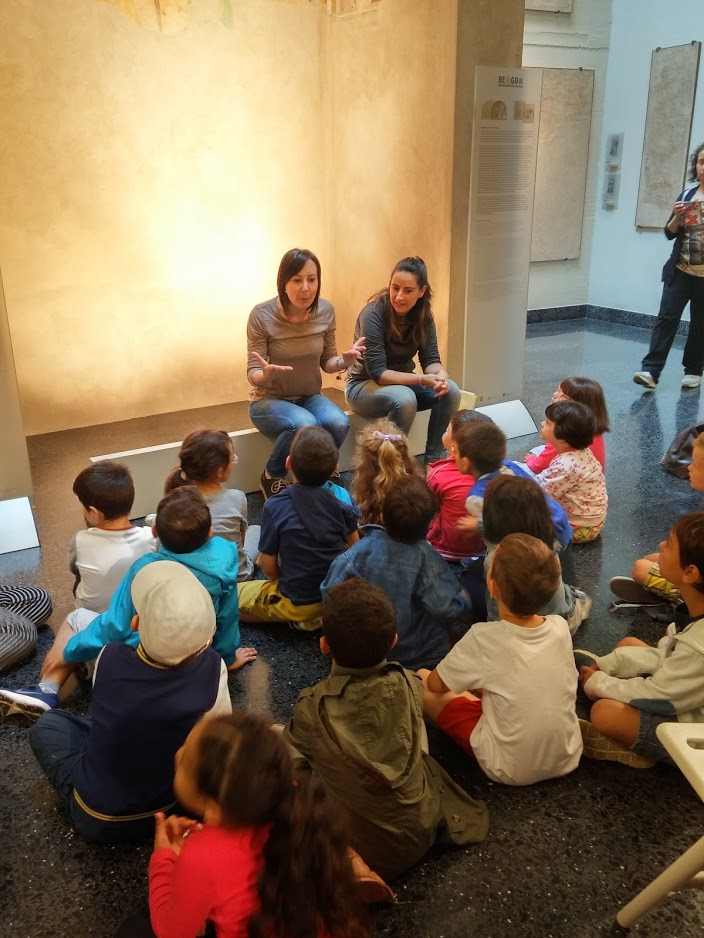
28,701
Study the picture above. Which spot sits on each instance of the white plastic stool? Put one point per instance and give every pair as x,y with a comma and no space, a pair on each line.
685,743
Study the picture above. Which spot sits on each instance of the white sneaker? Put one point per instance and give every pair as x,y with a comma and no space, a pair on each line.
646,379
691,382
582,608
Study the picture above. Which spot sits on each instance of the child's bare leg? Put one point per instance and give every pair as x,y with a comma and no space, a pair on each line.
54,667
641,568
630,641
434,703
616,720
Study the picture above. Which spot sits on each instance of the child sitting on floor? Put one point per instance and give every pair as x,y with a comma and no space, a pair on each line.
646,584
304,528
637,687
449,486
574,478
381,458
269,858
100,555
522,727
206,460
427,597
480,452
183,527
584,391
513,505
113,769
361,729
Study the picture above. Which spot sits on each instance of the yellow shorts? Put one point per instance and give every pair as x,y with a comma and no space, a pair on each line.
584,535
262,599
657,584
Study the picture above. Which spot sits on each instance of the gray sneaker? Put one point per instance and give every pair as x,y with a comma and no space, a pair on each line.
626,588
691,382
646,379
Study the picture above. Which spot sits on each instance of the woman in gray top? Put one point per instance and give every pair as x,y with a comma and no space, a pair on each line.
290,338
398,324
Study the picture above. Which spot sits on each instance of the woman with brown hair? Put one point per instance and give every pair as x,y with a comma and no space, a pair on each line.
398,324
290,339
683,279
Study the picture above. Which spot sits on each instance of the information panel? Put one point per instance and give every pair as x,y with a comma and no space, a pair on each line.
502,186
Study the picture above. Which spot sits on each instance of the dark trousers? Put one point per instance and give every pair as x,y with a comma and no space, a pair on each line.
684,289
57,740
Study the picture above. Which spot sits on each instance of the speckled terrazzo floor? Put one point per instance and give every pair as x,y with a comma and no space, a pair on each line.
560,858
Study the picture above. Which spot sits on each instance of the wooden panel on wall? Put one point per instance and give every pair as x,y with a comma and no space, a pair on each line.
668,125
563,155
552,6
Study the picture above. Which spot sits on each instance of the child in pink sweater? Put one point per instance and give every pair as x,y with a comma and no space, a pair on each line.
574,478
582,391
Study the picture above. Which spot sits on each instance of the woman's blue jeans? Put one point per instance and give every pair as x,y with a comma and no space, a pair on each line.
400,404
281,420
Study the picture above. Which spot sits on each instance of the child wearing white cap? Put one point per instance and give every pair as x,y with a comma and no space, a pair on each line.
113,769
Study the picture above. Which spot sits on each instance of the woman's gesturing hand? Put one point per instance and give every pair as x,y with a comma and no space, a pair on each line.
352,354
268,370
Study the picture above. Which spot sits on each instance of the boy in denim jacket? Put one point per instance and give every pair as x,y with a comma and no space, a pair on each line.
397,558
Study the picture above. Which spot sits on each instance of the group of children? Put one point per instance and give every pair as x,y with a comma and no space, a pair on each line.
484,651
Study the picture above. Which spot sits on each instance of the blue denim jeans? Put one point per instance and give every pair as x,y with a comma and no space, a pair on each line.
400,404
281,420
57,739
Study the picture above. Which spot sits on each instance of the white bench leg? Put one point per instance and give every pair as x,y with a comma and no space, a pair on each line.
677,876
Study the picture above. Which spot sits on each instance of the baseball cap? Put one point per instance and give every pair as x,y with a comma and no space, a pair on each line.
176,613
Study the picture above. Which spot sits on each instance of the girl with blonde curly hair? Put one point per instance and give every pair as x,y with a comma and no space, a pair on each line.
381,459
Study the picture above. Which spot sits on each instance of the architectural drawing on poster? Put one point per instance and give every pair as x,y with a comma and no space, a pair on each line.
563,155
550,6
668,126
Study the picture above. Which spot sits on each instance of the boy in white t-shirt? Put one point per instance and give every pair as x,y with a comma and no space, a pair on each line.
520,723
100,555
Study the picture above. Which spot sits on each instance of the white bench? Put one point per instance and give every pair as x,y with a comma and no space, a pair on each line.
150,465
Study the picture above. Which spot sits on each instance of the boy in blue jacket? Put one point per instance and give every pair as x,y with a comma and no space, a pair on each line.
480,452
183,527
114,768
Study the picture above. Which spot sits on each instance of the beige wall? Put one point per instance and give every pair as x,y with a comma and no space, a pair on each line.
152,183
391,99
155,178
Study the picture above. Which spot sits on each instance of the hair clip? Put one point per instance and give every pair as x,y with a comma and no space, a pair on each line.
183,476
390,437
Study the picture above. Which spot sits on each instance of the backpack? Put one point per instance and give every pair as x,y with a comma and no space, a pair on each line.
679,453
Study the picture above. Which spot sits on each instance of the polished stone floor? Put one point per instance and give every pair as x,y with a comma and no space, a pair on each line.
560,858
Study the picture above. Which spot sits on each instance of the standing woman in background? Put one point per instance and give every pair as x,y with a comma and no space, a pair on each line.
398,324
683,278
290,338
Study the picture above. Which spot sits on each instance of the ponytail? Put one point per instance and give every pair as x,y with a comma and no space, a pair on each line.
381,459
307,884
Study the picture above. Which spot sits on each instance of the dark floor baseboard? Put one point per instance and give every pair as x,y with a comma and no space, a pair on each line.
602,313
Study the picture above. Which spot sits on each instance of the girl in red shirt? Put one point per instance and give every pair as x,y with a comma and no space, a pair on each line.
269,858
582,391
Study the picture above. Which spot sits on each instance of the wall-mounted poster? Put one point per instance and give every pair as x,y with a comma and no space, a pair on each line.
563,155
668,126
551,6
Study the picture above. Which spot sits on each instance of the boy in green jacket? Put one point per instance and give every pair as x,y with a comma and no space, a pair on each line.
361,730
